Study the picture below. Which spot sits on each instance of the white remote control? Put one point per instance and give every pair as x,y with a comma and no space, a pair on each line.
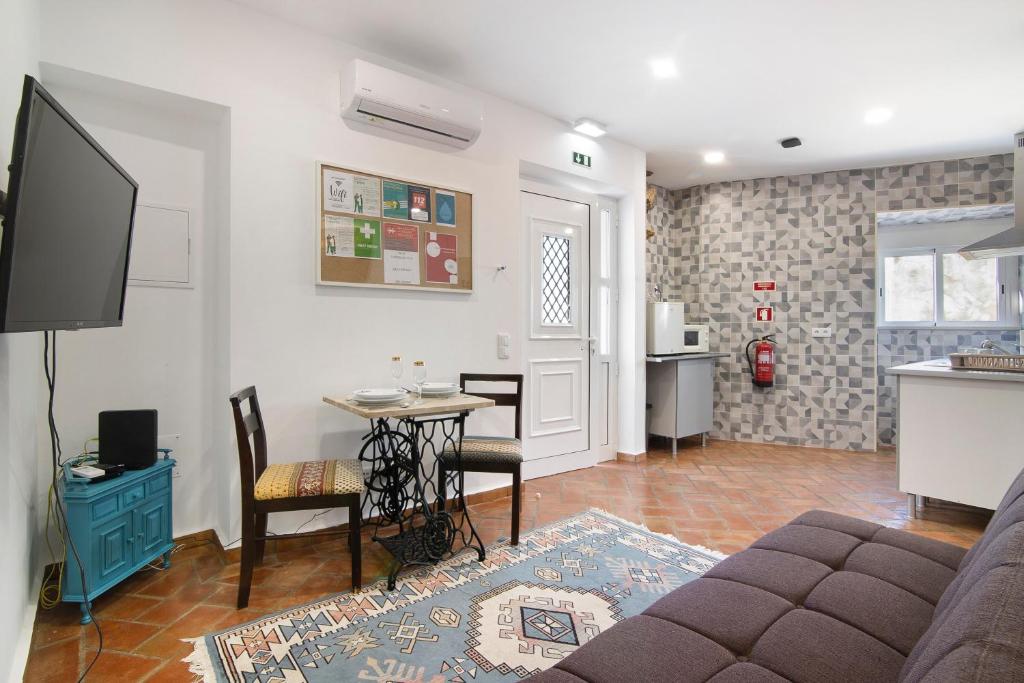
87,471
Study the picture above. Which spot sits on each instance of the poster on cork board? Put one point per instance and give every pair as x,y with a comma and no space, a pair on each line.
381,230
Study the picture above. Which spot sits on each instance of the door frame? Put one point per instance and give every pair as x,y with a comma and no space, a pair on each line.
595,452
608,451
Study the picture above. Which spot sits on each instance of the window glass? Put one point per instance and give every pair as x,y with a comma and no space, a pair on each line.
605,338
555,285
910,288
970,289
606,244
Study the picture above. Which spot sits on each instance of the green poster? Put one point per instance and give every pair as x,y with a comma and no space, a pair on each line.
366,238
396,200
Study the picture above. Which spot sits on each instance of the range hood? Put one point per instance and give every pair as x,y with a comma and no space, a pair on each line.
1008,242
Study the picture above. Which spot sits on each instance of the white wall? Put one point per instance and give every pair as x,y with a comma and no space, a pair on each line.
293,340
20,383
163,355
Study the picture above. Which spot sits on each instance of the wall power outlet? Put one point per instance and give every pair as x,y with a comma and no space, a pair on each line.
171,441
821,332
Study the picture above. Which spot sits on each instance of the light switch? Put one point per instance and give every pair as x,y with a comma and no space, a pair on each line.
504,342
821,332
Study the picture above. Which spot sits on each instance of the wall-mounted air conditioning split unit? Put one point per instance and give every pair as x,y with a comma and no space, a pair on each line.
374,96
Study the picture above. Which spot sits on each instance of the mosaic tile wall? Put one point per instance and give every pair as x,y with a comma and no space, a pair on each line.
814,235
896,347
663,255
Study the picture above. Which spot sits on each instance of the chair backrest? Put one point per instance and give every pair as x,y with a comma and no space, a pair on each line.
252,456
500,399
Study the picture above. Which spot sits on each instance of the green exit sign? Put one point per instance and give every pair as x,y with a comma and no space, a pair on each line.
581,159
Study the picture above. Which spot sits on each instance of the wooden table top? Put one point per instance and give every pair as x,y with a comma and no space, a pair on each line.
409,408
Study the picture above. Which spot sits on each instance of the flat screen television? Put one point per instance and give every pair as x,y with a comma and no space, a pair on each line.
67,228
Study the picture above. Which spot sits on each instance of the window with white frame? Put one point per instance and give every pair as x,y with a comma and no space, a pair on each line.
937,287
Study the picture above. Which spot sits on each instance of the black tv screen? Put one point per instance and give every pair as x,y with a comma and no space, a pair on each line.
67,227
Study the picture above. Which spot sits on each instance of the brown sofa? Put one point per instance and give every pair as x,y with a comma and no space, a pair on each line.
831,598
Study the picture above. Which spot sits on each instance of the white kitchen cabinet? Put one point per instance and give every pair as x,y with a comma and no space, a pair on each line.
680,390
959,433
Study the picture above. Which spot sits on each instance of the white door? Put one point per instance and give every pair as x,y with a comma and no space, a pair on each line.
556,416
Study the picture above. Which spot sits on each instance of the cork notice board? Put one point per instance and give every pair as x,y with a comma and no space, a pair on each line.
379,231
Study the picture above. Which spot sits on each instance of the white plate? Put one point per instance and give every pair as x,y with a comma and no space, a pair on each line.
379,394
440,394
427,386
385,402
440,389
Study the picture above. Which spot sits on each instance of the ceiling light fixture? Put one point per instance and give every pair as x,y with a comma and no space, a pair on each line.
664,67
715,157
589,127
877,115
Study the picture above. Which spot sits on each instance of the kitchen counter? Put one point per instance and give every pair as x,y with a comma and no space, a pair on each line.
685,356
680,392
958,433
940,369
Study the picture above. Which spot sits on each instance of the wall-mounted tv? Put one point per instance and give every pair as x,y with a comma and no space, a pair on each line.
67,227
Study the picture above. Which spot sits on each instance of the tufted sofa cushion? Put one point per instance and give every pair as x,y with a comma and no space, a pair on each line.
824,598
978,630
831,598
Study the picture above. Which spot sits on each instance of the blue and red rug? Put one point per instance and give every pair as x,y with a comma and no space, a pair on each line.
464,621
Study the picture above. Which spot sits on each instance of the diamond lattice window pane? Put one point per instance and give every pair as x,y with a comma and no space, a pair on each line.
555,288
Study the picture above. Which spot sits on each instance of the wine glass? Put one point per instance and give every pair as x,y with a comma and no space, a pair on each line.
419,375
396,370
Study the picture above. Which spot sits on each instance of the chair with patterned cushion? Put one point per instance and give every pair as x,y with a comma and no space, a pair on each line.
490,453
285,487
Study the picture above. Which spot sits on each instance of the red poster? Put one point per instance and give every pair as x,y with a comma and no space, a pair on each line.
764,314
441,258
764,286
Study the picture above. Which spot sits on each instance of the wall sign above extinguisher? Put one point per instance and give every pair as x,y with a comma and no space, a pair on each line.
762,361
764,314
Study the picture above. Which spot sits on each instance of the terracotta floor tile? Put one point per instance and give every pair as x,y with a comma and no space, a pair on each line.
123,636
58,662
723,497
117,667
172,671
114,606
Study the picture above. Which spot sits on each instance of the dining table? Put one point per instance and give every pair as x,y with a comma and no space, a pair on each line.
404,504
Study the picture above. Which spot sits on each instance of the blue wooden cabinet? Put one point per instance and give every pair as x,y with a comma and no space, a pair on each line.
118,527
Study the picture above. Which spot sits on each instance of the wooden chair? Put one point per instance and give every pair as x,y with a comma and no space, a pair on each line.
283,487
488,453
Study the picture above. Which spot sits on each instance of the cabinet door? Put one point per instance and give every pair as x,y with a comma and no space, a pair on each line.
154,526
112,549
696,396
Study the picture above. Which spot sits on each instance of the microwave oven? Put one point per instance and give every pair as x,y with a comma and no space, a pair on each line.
695,339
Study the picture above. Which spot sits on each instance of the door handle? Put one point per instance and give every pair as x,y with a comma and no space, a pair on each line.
592,341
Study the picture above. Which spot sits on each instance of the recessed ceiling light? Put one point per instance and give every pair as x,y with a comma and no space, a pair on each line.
664,67
589,127
877,115
715,157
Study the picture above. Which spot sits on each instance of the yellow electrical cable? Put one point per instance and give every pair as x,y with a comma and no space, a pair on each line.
50,590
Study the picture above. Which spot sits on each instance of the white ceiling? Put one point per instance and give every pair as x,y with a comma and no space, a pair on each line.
750,72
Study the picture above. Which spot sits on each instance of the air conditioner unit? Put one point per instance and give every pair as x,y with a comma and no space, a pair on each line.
374,96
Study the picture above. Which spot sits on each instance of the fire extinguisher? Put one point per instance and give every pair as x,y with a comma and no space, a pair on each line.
762,363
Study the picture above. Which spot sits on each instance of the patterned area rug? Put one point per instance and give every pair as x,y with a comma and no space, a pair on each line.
464,621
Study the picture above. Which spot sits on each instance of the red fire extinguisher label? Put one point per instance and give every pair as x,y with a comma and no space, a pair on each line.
764,285
764,314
